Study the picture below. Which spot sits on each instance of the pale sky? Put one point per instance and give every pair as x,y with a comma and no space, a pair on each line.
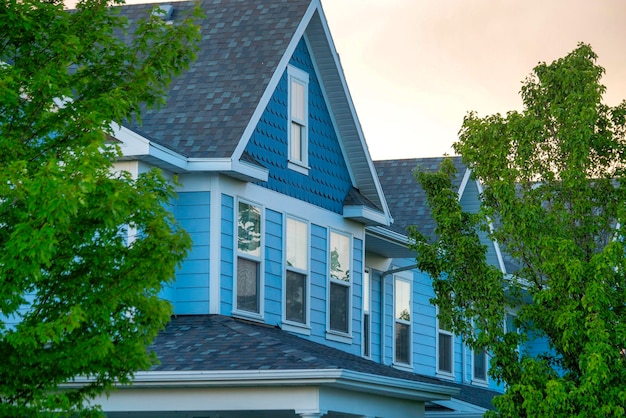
416,67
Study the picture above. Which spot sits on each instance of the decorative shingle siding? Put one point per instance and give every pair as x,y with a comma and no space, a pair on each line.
273,266
227,254
328,179
191,290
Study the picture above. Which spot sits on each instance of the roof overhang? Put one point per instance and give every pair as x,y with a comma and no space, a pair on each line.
365,215
256,390
136,147
387,243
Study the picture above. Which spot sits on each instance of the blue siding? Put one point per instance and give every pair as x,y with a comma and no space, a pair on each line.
319,243
357,296
388,320
375,316
424,325
227,251
190,292
328,180
273,267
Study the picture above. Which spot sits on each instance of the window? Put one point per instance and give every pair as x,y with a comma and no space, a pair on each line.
296,283
248,286
298,118
445,347
402,323
339,289
480,365
366,314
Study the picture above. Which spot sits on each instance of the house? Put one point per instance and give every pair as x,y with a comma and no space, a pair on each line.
299,298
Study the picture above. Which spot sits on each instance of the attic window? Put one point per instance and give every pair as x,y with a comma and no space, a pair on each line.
298,119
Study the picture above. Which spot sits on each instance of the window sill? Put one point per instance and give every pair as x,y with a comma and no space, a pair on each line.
445,375
248,316
339,337
403,366
298,167
303,329
480,382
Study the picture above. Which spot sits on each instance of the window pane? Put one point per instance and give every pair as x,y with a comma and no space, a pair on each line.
297,101
295,307
339,257
402,342
249,229
480,366
247,285
339,307
445,353
366,291
510,323
366,335
297,239
403,300
295,152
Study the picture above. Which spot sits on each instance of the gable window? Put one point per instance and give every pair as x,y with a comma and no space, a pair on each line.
480,366
402,320
296,276
298,119
445,350
340,283
366,313
248,286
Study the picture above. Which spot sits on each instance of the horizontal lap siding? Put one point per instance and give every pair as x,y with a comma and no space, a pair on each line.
375,316
227,254
318,282
357,297
425,326
191,289
273,267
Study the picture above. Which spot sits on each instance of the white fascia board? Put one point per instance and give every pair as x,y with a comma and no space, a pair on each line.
131,143
366,213
463,185
362,382
388,235
396,387
460,408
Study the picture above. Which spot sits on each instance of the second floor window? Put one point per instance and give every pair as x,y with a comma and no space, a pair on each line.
248,286
402,322
480,365
445,350
366,314
340,283
298,117
296,282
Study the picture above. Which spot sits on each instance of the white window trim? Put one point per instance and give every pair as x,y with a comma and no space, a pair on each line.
331,334
443,373
260,259
396,278
302,77
367,310
303,328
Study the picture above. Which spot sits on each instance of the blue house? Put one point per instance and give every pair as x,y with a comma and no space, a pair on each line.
299,297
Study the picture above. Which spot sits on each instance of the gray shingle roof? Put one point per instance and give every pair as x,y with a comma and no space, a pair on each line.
405,197
210,105
216,343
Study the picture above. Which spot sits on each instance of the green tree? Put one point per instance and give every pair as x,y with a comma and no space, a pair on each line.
554,194
84,250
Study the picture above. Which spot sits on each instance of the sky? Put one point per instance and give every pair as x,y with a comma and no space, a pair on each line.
414,68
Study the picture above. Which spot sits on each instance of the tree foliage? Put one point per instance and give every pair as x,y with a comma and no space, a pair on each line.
84,249
553,199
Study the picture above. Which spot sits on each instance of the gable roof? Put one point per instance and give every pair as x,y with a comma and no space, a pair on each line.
406,197
214,106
